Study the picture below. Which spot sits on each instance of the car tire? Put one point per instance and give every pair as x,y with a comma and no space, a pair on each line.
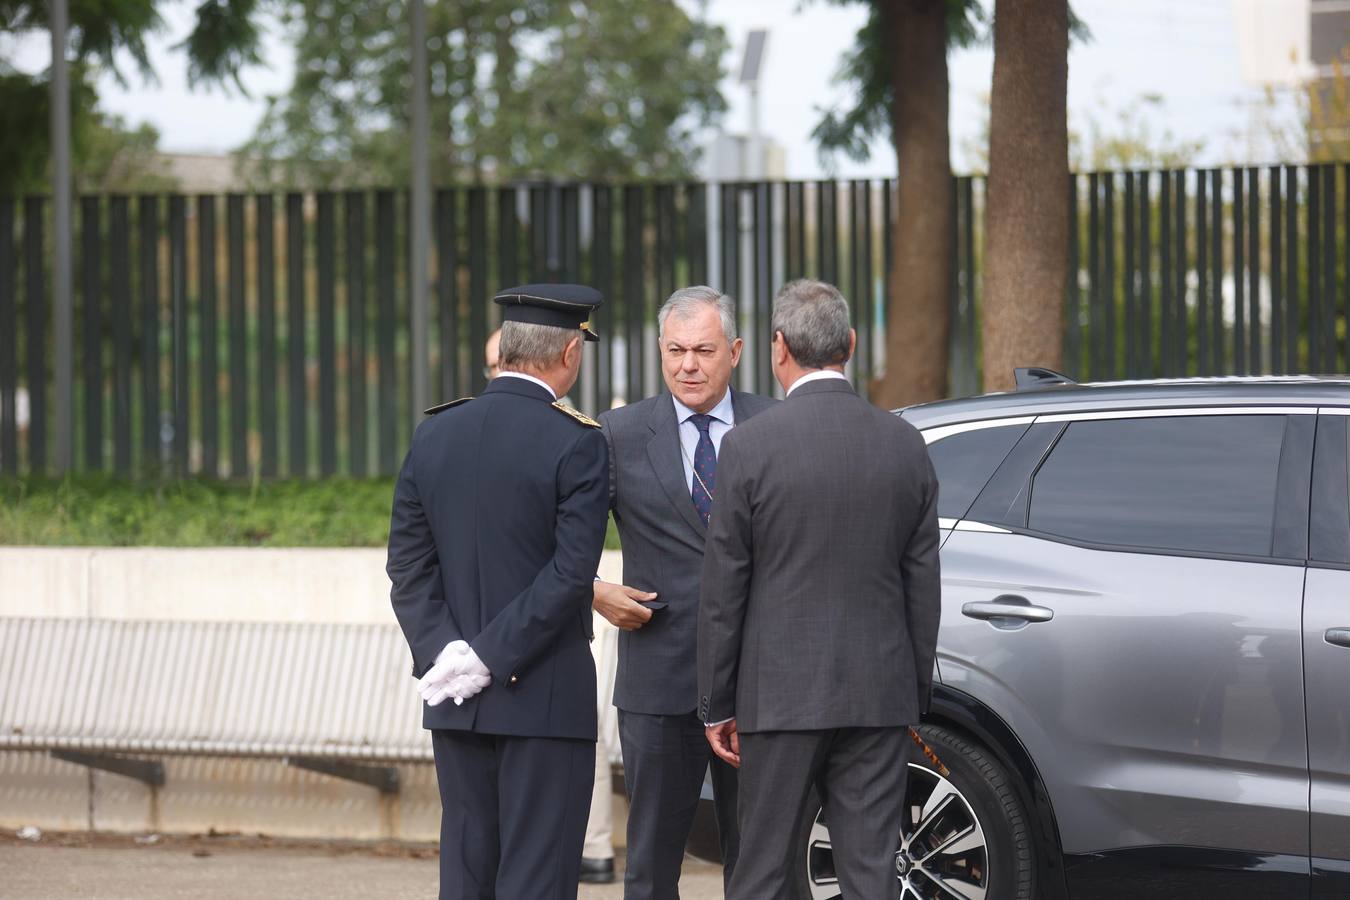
977,796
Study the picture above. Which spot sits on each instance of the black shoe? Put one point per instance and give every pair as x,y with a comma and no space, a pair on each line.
597,871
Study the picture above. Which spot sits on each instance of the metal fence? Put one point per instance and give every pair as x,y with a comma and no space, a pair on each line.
268,334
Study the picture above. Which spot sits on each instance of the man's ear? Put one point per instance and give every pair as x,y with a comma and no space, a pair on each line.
779,349
736,347
572,352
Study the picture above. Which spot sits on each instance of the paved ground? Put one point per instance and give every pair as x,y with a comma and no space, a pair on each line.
115,867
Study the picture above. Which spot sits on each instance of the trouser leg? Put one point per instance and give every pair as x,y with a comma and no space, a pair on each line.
600,824
778,770
664,760
544,794
862,786
466,771
724,804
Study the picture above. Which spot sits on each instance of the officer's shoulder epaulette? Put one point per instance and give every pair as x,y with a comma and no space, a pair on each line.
442,407
576,414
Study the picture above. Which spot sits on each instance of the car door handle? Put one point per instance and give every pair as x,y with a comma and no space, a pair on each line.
1007,609
1338,636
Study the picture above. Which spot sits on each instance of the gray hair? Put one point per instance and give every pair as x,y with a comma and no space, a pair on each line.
526,345
685,300
813,317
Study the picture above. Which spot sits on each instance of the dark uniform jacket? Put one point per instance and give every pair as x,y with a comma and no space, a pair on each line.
821,586
498,524
663,539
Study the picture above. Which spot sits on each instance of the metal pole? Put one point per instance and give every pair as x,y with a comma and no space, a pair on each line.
63,303
419,278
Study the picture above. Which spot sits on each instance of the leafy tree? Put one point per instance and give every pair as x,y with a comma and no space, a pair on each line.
898,71
604,89
224,38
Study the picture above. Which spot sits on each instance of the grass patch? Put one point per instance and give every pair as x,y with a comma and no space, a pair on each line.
107,511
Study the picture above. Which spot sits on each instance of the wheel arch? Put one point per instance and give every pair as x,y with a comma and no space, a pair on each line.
959,711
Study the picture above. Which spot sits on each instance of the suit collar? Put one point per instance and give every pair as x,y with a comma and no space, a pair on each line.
521,387
822,386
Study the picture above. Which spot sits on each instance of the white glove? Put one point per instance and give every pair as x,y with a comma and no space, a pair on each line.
457,673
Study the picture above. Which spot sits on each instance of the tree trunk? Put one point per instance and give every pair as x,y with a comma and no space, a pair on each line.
915,35
1027,208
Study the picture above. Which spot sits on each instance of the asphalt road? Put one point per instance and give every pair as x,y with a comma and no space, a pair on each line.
115,867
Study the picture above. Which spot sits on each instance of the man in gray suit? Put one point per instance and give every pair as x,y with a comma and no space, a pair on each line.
662,480
819,612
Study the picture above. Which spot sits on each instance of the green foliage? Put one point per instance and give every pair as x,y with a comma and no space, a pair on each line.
102,510
105,155
606,89
865,71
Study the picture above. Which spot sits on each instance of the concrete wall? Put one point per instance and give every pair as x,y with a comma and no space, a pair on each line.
217,584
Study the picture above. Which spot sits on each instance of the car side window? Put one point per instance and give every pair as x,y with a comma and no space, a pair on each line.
965,461
1190,483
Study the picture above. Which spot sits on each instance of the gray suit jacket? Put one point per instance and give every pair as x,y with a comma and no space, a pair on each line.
821,592
662,537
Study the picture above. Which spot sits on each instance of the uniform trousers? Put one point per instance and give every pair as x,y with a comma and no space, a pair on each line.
513,814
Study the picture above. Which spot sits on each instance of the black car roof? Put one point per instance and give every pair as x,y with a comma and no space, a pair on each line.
1296,390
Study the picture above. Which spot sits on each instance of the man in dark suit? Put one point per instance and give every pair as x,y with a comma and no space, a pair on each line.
819,612
498,525
662,481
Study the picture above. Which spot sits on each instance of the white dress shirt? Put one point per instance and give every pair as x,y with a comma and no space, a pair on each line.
818,375
723,419
537,381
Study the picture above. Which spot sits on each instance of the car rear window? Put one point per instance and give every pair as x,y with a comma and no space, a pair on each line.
965,461
1194,483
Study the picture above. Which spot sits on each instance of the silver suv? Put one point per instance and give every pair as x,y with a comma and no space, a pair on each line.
1143,686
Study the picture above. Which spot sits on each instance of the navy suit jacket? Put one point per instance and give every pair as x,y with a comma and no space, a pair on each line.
497,528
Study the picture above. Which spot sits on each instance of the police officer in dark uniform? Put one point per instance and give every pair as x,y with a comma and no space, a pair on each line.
498,524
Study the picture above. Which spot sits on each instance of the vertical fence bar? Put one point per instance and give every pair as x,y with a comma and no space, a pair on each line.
1146,276
1292,302
325,252
119,293
1096,316
867,299
696,233
1239,286
296,431
1217,344
91,318
1204,364
447,286
208,387
357,317
9,328
1073,330
633,219
1254,271
764,287
1165,317
148,245
1182,351
180,379
35,298
239,341
508,245
1278,362
602,275
478,291
663,197
265,215
1329,273
539,247
1131,299
1110,312
386,318
1313,267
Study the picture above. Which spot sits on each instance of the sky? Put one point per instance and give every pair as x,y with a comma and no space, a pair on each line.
1185,53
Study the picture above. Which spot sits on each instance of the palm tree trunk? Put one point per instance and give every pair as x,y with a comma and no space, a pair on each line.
1026,213
919,283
